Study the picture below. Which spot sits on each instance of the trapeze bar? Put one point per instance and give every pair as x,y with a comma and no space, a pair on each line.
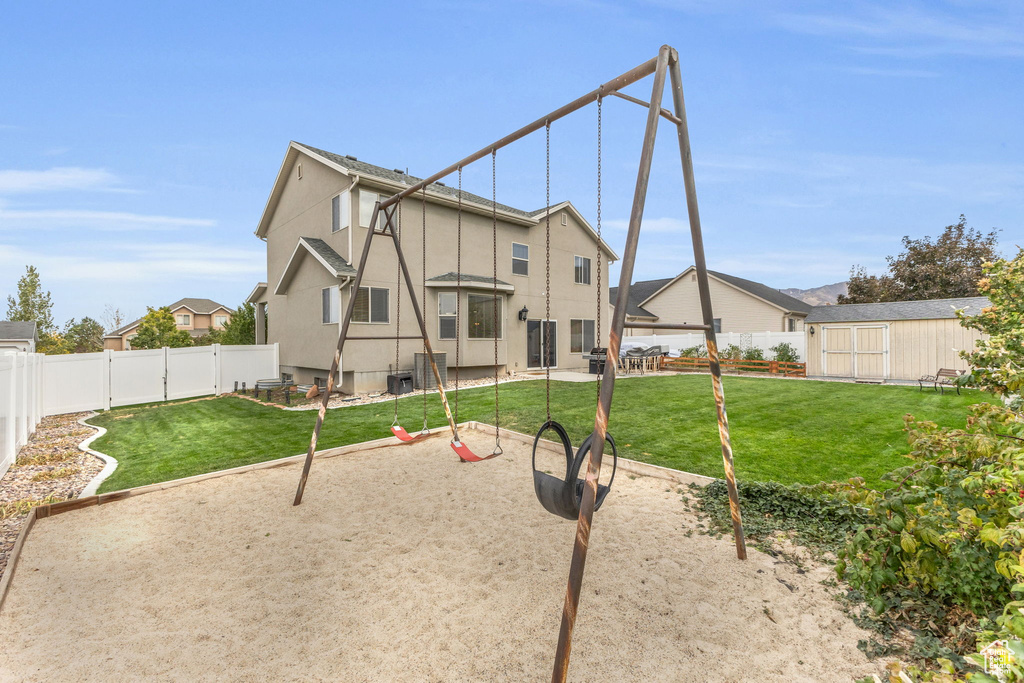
666,326
636,100
609,88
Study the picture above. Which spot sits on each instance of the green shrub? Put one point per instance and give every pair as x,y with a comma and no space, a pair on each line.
731,351
753,353
785,353
693,352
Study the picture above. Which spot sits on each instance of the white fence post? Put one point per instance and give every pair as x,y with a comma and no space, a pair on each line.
216,370
108,359
12,409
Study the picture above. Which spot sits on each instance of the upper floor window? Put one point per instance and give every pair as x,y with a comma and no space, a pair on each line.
582,270
520,259
447,304
330,300
220,320
792,324
366,201
184,319
371,305
341,211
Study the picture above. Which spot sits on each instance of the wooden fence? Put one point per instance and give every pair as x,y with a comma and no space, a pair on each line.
772,367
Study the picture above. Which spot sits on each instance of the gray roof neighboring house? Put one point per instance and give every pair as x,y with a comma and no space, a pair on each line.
199,306
19,330
789,303
930,309
639,292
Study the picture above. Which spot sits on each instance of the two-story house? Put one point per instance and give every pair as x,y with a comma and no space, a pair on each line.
740,305
197,316
314,225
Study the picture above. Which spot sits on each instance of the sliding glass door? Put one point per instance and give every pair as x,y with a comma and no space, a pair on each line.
538,332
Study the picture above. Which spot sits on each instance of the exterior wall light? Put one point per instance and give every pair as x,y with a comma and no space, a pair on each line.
523,313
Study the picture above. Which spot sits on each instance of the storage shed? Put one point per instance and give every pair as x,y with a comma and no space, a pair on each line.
893,341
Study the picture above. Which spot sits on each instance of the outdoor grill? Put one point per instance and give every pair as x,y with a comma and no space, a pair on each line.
597,357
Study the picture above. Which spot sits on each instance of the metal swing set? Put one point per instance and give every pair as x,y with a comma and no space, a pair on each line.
570,497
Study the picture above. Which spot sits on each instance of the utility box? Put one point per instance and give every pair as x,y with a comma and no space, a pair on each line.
423,375
400,384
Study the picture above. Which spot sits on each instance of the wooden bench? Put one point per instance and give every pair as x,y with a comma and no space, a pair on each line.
940,380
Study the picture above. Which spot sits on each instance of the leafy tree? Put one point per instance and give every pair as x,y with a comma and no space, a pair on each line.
241,329
997,363
158,329
32,302
948,267
85,336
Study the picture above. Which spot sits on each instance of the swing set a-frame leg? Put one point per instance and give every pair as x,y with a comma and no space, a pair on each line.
389,228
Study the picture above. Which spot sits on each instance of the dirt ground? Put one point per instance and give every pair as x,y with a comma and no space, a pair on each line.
403,564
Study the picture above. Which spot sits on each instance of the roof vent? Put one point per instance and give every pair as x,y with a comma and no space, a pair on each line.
398,170
349,156
440,183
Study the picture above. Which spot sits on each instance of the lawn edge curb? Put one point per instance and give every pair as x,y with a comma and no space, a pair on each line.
110,463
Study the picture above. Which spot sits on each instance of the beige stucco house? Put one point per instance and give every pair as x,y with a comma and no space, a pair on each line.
198,316
314,225
740,305
895,341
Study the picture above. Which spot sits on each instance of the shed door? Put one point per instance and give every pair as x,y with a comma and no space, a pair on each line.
870,346
837,349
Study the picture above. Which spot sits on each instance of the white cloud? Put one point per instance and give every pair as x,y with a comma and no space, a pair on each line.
56,179
13,219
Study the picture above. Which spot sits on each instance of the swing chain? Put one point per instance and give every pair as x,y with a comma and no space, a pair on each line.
547,271
494,255
398,310
597,331
423,299
458,295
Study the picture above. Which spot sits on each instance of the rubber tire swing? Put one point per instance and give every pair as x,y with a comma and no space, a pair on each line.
562,497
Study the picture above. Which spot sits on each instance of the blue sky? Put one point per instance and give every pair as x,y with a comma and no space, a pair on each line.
139,141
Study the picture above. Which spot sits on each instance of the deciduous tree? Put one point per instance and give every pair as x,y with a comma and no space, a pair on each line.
158,329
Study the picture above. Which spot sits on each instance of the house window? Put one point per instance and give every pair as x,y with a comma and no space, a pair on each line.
792,324
582,270
371,305
482,324
220,320
447,326
184,319
341,211
286,377
366,202
298,171
718,325
520,259
581,336
564,220
330,299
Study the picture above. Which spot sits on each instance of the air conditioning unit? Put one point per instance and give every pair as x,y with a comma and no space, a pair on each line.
421,366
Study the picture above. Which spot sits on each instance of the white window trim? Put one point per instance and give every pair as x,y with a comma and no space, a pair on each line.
515,258
585,350
590,270
448,315
179,316
369,308
337,313
501,314
360,207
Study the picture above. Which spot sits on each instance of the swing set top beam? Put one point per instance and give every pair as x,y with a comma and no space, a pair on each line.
611,87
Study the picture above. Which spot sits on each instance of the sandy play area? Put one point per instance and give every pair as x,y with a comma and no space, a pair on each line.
403,564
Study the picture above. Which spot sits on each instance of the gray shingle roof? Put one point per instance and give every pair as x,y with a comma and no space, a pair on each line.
454,277
363,168
639,291
332,257
930,309
789,303
17,329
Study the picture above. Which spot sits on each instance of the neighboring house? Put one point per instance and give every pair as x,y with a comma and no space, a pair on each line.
739,305
899,340
315,223
18,336
198,316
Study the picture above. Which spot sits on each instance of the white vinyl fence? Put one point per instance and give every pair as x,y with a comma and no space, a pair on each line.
108,379
762,340
21,404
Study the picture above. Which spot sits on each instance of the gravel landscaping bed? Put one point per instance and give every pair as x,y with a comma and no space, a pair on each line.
49,468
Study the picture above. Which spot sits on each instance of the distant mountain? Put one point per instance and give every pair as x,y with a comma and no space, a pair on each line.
819,296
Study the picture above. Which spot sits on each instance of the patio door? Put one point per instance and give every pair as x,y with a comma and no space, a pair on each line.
538,332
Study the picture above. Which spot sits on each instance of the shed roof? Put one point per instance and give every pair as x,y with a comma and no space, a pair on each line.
18,329
928,309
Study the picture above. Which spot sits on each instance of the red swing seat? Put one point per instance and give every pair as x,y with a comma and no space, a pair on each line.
462,450
403,435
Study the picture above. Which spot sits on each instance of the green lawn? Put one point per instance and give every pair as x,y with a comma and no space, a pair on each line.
786,431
